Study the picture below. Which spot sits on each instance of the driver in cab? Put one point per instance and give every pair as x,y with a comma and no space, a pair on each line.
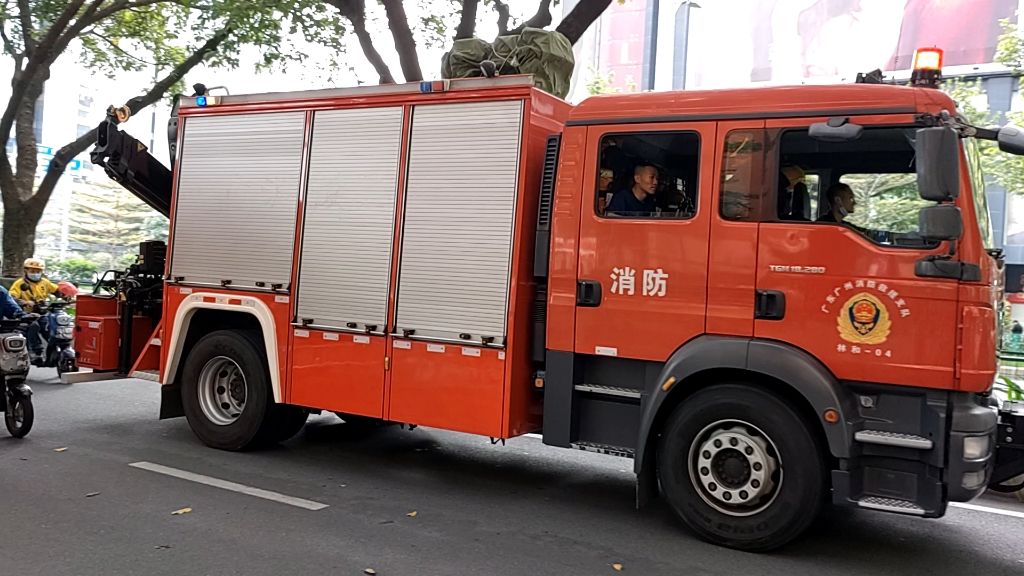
637,200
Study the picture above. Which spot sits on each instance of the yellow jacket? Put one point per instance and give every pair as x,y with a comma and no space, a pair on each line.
22,289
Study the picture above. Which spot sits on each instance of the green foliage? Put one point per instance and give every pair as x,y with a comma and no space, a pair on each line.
601,83
75,270
109,223
1011,389
885,201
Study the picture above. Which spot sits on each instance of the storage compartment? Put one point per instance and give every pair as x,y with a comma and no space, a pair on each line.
339,372
448,386
87,305
97,339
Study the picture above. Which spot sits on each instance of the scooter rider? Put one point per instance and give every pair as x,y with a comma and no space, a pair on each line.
8,306
28,290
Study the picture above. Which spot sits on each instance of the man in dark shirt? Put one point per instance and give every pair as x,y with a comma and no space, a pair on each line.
841,203
638,200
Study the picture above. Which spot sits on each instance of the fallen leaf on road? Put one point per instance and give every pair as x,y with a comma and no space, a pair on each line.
617,567
91,494
162,547
180,512
369,571
412,514
59,449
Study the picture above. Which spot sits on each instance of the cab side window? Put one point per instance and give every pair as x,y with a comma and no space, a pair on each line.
646,175
868,184
742,187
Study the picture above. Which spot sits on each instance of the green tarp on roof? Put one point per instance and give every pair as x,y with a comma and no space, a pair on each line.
547,55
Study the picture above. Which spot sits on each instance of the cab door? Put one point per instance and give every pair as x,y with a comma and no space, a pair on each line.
846,294
642,277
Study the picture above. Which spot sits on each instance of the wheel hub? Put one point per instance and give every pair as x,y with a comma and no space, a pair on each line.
222,391
735,467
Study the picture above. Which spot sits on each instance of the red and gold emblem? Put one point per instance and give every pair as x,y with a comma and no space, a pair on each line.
864,320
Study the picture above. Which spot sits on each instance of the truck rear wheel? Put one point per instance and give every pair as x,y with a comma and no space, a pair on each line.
741,468
225,391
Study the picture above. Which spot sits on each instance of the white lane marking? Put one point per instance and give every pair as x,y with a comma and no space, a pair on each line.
977,508
218,483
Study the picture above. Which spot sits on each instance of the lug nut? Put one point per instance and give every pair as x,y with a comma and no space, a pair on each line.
749,450
755,483
727,496
712,487
706,454
743,495
704,471
733,442
757,466
718,443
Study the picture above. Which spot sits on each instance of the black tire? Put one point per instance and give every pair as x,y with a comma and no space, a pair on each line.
288,420
787,511
255,423
21,427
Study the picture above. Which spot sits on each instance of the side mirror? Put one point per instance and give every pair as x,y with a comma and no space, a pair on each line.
938,164
942,222
1011,140
835,130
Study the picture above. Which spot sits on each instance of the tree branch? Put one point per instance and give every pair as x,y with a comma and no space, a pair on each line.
467,25
8,45
114,45
405,44
25,15
355,12
576,22
503,16
539,20
68,152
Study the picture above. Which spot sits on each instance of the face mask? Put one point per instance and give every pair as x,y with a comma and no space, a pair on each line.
35,277
843,211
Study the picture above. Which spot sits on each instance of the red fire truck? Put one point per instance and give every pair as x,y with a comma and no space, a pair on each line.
768,298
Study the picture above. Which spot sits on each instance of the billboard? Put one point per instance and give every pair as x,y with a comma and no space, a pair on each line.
733,43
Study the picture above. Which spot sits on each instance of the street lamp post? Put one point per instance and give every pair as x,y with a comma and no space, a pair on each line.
682,42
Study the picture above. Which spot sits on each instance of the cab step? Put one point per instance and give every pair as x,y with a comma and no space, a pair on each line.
604,449
891,505
893,439
608,390
151,375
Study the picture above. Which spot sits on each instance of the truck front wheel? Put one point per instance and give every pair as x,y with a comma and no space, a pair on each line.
740,467
225,391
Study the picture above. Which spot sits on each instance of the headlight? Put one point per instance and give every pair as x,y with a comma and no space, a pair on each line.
976,447
65,320
14,343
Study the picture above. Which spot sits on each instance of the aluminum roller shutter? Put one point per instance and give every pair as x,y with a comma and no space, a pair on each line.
238,189
348,230
459,211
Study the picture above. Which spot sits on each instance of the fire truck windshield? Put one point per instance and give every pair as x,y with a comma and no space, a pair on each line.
978,191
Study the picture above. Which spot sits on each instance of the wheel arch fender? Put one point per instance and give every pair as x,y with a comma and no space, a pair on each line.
238,304
708,356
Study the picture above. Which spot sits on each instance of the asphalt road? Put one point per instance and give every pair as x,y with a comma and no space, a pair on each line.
519,509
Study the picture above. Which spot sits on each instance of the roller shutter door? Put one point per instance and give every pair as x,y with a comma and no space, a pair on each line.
459,212
348,229
237,194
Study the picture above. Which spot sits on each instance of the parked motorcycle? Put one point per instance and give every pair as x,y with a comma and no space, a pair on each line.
57,348
16,403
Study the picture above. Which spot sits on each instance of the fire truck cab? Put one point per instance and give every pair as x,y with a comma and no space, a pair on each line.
767,298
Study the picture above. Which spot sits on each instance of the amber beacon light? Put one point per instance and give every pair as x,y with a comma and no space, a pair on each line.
927,68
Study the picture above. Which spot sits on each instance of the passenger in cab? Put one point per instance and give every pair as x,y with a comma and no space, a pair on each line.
841,203
637,200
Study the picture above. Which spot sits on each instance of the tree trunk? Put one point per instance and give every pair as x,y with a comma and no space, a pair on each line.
467,25
374,57
581,17
355,12
21,214
405,44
